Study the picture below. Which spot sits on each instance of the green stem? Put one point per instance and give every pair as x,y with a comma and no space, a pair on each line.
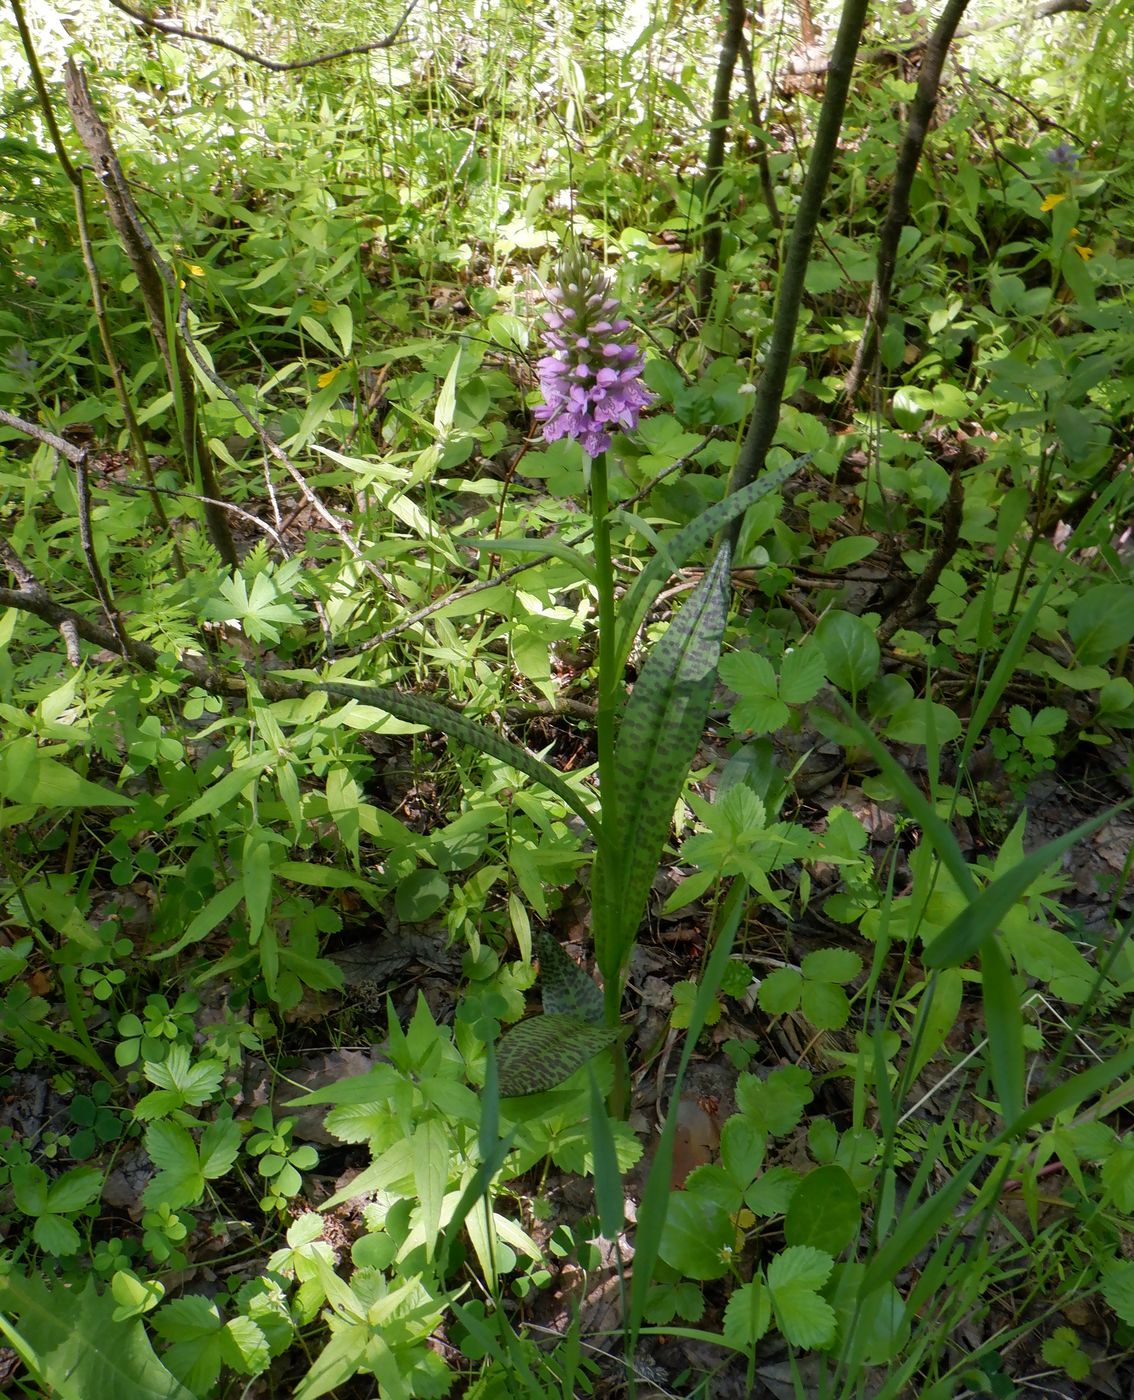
609,685
608,679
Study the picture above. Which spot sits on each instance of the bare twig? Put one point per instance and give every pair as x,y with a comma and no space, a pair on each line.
155,282
167,26
94,568
33,430
767,185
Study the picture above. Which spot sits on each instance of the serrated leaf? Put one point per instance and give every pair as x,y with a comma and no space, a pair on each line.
779,992
564,985
802,674
748,1315
657,740
748,673
543,1051
825,1005
831,965
220,1143
794,1278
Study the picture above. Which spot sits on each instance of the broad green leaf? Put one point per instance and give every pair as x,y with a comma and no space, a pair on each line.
179,1180
851,649
843,553
802,673
56,1236
1118,1288
699,1235
825,1211
657,740
419,710
74,1189
831,965
543,1051
419,896
71,1344
564,986
742,1150
220,1145
29,776
1101,621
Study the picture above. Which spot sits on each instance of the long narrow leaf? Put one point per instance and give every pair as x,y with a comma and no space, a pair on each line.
657,740
416,709
1005,1025
975,924
551,549
687,541
941,838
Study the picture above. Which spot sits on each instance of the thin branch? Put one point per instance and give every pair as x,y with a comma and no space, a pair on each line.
94,568
909,157
713,219
166,26
770,387
156,281
57,444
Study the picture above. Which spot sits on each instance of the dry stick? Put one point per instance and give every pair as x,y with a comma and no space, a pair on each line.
165,26
767,185
94,568
78,188
909,156
133,427
714,155
770,387
154,278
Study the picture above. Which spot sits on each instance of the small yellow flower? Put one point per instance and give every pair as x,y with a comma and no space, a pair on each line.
195,269
1051,201
1085,251
329,376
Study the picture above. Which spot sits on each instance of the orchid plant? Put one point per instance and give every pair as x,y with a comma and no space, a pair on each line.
592,387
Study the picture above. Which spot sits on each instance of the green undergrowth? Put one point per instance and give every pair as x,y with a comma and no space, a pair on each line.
888,922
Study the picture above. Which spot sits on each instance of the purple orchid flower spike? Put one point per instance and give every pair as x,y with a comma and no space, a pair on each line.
592,379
